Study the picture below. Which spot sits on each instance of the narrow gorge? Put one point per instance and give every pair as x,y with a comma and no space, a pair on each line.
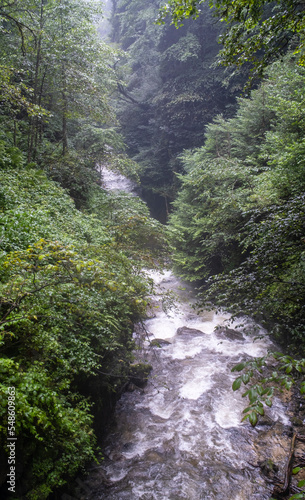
181,436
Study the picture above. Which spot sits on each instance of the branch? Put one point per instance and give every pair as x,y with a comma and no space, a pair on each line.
21,26
124,92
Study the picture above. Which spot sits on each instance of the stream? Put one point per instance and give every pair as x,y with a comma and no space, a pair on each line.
181,437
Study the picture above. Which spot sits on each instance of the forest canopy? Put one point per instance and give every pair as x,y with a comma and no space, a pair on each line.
256,32
239,215
171,90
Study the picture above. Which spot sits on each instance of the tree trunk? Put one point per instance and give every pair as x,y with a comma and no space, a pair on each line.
34,119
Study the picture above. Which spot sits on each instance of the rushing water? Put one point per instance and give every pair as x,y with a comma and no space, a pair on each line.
182,437
113,181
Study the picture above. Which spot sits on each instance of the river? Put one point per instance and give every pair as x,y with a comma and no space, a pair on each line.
181,437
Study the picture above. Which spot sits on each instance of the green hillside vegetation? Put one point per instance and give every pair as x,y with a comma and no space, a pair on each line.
239,215
71,255
71,290
255,32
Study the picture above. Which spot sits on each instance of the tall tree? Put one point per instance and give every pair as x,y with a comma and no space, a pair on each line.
63,61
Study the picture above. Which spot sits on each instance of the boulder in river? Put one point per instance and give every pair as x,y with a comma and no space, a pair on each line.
184,330
159,343
229,334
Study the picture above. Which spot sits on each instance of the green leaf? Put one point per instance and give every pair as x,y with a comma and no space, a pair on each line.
236,384
253,395
260,410
245,378
239,367
246,410
253,418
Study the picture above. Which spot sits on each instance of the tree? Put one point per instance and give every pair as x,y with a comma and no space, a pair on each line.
55,91
64,63
257,31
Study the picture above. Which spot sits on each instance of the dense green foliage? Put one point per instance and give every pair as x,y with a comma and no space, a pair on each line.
240,213
171,91
71,281
70,292
71,255
56,78
257,31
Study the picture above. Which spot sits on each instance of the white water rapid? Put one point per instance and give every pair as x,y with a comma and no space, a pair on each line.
181,437
113,181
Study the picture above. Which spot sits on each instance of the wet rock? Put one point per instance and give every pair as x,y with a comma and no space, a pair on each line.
229,334
116,456
184,330
265,421
138,373
132,387
154,456
128,446
297,422
159,343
